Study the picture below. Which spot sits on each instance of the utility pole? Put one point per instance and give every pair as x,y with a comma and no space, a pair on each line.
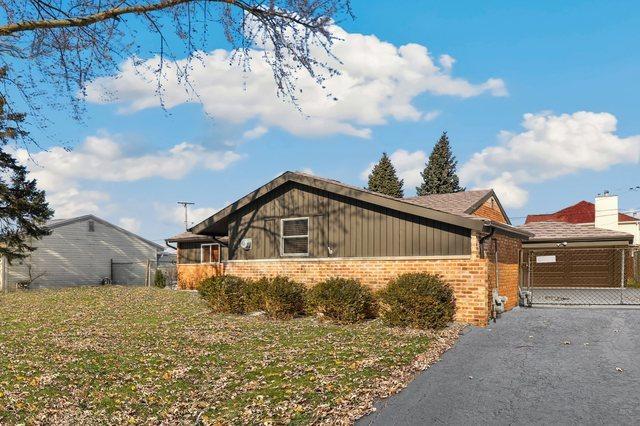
186,205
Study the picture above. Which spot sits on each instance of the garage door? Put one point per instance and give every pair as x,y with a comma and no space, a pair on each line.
582,276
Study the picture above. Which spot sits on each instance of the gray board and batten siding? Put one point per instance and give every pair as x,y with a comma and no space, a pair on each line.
339,226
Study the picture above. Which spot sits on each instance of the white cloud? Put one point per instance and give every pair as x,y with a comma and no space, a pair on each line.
72,201
447,62
550,146
255,133
174,214
408,166
431,115
129,223
378,82
62,173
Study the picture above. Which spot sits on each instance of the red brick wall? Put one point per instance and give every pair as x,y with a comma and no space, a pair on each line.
508,268
490,210
468,275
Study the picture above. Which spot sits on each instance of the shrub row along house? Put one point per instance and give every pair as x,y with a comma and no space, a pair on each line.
310,228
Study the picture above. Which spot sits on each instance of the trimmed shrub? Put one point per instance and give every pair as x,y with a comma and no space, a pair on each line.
282,297
224,294
159,279
417,300
343,300
254,295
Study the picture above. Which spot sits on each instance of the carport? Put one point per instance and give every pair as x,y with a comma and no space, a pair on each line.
578,264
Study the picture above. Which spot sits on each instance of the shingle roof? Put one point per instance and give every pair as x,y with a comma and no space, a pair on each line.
457,203
563,231
582,212
189,237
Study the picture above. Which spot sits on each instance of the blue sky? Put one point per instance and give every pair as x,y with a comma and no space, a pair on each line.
573,67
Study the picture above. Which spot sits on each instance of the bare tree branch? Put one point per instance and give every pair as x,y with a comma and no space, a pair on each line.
55,48
115,13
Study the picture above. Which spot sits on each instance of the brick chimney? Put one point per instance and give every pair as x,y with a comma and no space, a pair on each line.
607,211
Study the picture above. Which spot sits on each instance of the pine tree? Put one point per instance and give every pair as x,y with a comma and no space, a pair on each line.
23,208
384,179
439,175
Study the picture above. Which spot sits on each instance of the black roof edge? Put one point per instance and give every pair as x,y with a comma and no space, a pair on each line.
509,230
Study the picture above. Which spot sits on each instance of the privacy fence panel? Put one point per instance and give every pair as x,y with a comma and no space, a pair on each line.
133,273
582,276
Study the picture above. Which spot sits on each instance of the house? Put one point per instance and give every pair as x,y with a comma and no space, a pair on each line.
84,250
310,228
604,213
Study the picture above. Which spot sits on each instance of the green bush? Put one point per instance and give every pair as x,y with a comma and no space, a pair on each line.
282,298
159,280
343,300
633,283
254,295
417,301
224,294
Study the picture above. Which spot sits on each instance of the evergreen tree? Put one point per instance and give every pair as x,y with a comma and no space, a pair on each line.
439,175
384,179
23,208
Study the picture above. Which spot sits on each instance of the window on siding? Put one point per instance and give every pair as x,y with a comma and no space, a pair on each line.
92,226
210,253
295,237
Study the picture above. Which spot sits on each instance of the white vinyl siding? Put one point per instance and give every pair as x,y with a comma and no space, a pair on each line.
73,255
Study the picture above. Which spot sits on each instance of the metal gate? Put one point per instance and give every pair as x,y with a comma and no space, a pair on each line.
581,276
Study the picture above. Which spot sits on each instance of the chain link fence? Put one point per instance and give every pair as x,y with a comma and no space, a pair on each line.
581,276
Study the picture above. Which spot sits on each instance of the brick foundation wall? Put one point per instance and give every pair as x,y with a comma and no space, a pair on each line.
190,274
468,275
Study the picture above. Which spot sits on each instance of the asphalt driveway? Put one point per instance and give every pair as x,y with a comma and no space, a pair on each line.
537,365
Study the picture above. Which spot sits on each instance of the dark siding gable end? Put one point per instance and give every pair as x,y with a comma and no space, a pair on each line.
342,225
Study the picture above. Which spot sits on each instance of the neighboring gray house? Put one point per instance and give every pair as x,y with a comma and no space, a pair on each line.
83,251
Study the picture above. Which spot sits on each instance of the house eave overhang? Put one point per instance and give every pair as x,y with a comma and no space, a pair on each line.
575,243
216,225
507,230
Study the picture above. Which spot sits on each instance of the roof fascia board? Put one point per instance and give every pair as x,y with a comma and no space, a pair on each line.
575,244
509,230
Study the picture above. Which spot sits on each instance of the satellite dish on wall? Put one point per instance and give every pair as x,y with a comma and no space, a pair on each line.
245,243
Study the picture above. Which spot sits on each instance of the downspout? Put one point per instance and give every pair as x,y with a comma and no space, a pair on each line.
495,248
483,239
170,246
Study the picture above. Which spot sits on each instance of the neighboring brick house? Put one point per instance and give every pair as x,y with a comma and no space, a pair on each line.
310,228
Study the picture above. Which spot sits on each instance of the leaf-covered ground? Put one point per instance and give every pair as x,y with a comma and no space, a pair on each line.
139,355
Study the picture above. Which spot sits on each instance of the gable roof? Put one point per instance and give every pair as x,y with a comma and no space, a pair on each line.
461,203
57,223
564,231
582,212
217,223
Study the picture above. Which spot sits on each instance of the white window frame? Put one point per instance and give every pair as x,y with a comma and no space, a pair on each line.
282,237
202,246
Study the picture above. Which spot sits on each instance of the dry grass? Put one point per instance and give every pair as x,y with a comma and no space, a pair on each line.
119,355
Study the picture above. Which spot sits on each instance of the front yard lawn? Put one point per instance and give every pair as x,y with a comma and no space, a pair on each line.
142,355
